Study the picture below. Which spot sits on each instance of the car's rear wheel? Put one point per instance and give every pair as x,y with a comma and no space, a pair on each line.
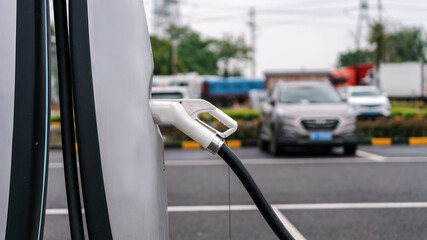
274,147
350,149
262,144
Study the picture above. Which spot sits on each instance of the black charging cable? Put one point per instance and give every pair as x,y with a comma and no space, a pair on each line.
248,182
67,121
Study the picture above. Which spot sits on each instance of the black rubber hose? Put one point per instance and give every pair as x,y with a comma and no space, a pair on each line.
67,121
264,207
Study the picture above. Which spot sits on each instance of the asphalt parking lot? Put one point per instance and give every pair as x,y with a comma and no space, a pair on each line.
381,193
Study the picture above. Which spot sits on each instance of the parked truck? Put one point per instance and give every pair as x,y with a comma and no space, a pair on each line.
190,81
225,92
407,80
352,75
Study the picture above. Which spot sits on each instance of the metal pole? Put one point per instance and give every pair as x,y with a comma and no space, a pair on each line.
252,26
363,16
379,48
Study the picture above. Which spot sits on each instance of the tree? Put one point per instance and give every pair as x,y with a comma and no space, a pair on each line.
231,49
406,44
187,51
191,53
197,55
161,55
161,49
377,37
352,57
177,32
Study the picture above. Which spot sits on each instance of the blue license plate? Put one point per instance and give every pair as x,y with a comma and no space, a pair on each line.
320,136
370,112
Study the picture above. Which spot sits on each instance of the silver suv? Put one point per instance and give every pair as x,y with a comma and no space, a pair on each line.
306,113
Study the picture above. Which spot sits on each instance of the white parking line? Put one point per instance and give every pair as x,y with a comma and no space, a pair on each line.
371,156
302,206
59,211
56,211
407,159
211,208
331,206
289,226
54,165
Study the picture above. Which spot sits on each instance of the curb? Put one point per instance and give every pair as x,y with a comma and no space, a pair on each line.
412,141
418,141
378,142
381,141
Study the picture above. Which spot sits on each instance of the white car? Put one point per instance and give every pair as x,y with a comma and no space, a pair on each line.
368,101
169,92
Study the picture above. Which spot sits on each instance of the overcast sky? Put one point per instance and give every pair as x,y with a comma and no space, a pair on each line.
294,34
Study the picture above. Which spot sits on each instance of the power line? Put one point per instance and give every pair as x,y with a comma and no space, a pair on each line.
306,20
312,11
225,17
311,3
330,12
218,6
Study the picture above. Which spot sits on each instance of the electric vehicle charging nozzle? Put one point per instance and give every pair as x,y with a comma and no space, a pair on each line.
183,114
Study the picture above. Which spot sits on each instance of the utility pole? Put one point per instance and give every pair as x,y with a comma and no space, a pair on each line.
379,52
166,13
174,57
363,18
252,27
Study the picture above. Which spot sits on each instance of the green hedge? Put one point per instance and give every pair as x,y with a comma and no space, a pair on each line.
238,114
408,104
55,118
392,128
250,114
407,112
242,114
366,129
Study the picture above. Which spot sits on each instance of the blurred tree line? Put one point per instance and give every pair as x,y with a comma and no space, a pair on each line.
184,50
404,44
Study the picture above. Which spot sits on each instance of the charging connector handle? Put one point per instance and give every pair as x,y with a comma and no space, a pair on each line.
183,114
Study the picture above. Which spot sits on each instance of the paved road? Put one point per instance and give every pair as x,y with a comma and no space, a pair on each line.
379,194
